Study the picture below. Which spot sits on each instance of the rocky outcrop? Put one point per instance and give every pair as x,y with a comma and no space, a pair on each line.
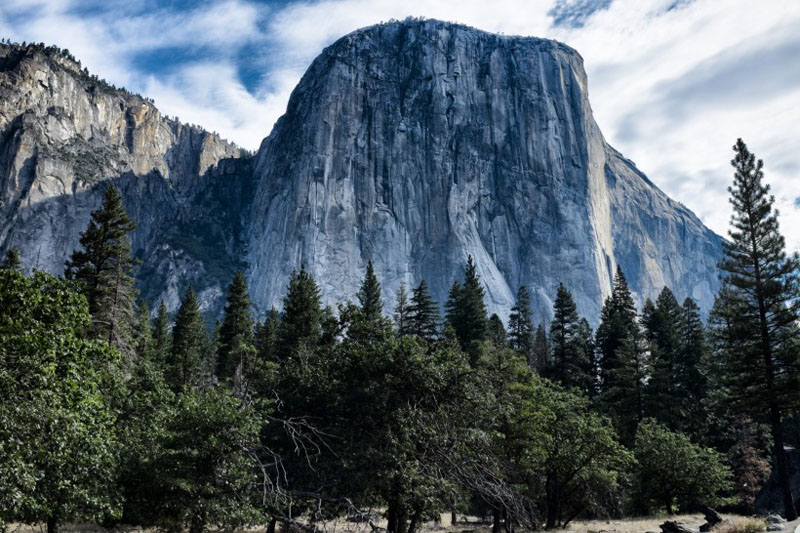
415,144
65,134
412,144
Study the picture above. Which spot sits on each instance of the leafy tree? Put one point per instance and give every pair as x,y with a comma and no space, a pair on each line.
189,344
423,314
104,268
236,347
763,369
302,314
57,435
570,363
11,260
370,295
671,469
520,324
161,336
205,472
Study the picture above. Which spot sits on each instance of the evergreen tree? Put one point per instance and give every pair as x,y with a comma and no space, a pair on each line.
267,337
520,324
142,331
540,354
750,469
302,314
666,387
466,310
623,363
189,343
763,369
104,269
570,363
161,336
236,332
401,312
423,314
497,332
11,261
452,307
369,296
693,350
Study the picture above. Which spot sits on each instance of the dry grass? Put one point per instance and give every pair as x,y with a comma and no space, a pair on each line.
742,525
632,525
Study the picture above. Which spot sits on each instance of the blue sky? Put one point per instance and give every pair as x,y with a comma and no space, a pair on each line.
672,83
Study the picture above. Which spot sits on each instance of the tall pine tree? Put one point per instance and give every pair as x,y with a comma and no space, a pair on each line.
666,386
189,344
466,310
570,363
520,324
401,312
161,336
236,349
423,314
764,367
302,314
104,269
369,296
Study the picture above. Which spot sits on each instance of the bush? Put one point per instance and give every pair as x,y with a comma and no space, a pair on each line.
741,525
671,469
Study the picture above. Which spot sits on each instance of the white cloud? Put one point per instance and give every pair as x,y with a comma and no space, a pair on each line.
657,72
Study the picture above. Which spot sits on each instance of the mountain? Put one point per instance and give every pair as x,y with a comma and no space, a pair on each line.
411,143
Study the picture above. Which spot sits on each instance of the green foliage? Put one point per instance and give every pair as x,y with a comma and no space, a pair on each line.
401,311
423,314
11,261
369,296
189,345
236,348
466,310
672,470
104,270
161,336
761,309
300,325
571,360
497,332
520,324
57,435
142,331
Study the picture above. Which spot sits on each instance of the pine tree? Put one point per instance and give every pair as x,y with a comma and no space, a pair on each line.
540,354
161,336
764,367
570,363
466,310
302,313
423,314
401,312
11,260
104,268
236,331
520,324
189,343
666,387
692,352
142,331
623,363
750,469
497,332
267,337
369,296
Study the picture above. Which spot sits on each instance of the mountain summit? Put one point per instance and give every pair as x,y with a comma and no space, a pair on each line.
412,144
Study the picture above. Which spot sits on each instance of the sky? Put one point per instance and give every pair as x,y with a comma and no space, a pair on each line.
672,83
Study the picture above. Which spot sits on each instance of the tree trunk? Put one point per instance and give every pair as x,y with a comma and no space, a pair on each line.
197,525
402,520
552,503
391,519
412,528
495,520
782,464
52,524
271,526
453,518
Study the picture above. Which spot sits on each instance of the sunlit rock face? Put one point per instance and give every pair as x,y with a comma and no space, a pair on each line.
418,143
412,144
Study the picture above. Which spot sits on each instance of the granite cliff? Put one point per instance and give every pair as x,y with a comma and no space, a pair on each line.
412,144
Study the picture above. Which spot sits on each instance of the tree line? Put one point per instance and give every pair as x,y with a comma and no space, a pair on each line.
114,412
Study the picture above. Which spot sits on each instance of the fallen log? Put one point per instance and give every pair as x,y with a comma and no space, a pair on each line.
675,527
712,518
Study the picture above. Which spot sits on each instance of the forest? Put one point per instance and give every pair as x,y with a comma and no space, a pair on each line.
113,412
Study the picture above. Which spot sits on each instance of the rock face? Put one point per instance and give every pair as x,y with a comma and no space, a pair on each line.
64,135
415,144
411,144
